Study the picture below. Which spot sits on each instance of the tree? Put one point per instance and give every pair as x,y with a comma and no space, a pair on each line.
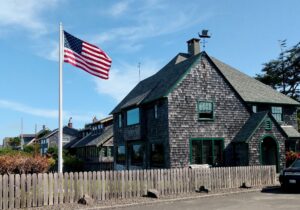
283,73
14,142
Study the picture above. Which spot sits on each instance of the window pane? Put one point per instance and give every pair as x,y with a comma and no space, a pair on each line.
218,153
207,152
137,151
196,152
133,116
121,155
277,113
254,109
157,155
120,120
155,111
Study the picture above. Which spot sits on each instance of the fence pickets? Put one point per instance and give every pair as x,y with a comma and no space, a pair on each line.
21,191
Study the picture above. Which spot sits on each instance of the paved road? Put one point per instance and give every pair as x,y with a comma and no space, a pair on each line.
270,200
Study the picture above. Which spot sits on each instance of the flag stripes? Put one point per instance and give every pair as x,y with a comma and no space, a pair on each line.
86,56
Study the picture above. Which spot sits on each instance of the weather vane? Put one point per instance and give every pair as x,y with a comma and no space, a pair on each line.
204,35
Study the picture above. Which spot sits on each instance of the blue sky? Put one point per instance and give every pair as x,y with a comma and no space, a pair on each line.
245,34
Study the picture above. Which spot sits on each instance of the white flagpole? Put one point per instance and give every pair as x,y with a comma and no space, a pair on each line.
60,112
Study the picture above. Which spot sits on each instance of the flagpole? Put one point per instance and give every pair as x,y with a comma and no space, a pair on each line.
60,112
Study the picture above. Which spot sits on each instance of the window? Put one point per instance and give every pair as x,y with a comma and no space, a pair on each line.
121,155
157,155
207,151
277,113
120,120
254,108
137,154
205,110
155,111
110,151
133,116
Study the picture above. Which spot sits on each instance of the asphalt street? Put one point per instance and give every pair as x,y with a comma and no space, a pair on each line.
269,200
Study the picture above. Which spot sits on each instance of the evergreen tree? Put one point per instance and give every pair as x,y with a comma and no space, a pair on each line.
283,73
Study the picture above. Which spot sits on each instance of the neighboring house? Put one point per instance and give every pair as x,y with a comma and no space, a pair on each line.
26,138
51,139
41,133
95,147
199,110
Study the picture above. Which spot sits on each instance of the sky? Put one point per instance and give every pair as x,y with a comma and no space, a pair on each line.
244,34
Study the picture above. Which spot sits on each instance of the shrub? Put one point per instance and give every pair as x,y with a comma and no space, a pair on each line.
32,149
23,163
70,162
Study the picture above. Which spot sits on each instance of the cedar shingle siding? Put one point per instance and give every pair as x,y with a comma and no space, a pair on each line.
176,91
203,82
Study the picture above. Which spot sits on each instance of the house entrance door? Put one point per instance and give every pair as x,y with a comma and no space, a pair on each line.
269,152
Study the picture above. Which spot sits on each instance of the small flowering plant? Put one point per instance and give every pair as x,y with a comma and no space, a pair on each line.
290,157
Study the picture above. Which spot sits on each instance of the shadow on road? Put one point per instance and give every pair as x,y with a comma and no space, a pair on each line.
278,190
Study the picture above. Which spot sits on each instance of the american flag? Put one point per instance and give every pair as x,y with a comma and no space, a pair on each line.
86,56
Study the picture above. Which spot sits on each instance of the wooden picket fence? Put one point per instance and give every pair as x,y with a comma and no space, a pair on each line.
31,190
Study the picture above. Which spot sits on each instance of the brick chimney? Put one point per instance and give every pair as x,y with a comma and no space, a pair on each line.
193,46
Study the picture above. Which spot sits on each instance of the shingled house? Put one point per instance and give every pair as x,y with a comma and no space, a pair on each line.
199,110
94,145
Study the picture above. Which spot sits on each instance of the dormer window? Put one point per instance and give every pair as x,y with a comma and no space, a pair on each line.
205,110
133,116
277,113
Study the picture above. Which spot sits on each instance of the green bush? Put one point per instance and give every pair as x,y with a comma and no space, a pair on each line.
70,162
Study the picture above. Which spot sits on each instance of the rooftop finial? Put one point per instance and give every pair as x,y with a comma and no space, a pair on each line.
204,35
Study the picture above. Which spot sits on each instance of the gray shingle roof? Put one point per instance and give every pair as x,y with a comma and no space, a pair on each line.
250,127
85,140
158,85
250,89
66,130
161,83
105,136
290,131
71,143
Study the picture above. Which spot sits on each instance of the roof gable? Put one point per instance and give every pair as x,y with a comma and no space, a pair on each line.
250,127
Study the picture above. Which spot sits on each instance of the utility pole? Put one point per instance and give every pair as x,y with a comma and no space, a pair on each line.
282,44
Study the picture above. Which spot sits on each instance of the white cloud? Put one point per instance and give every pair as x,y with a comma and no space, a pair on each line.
150,19
25,14
124,77
118,9
47,113
48,50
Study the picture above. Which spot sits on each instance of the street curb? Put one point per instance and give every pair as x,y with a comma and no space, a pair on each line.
170,200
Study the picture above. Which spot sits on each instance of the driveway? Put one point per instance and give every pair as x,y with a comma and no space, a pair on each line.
268,200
